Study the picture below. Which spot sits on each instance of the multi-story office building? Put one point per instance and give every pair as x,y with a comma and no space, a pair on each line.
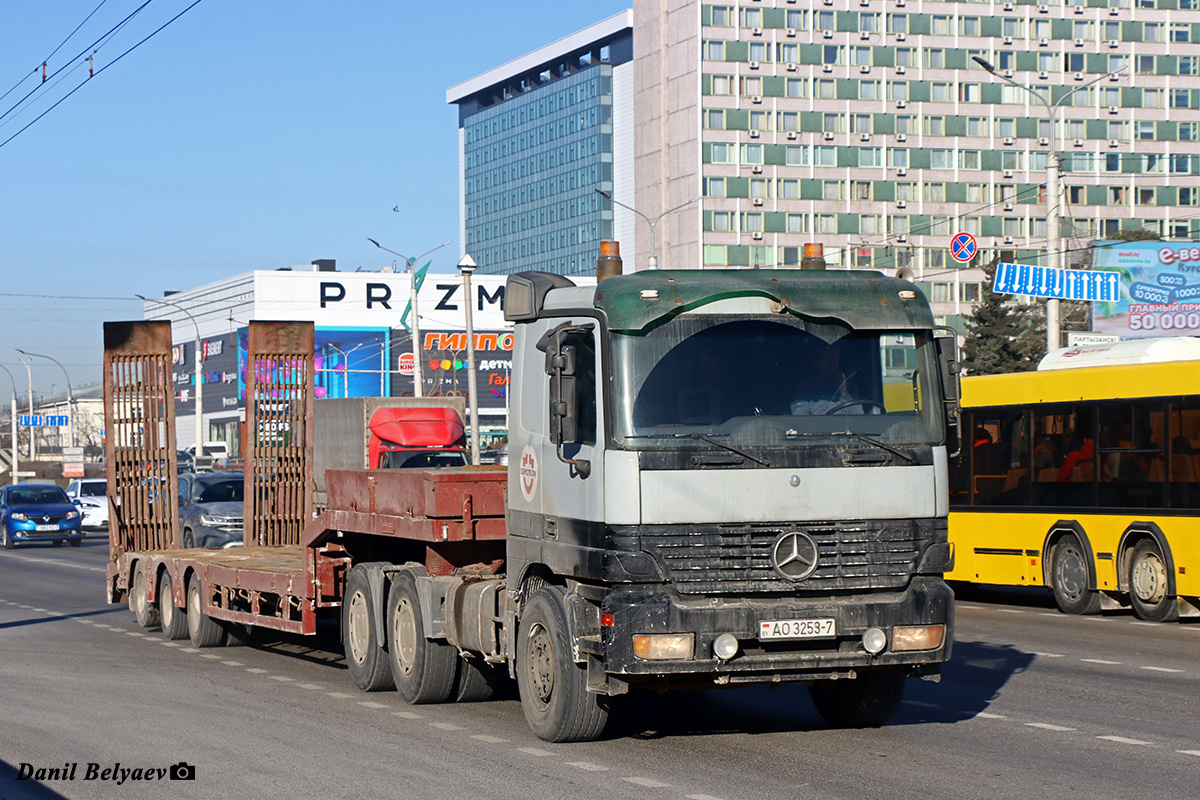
867,125
538,136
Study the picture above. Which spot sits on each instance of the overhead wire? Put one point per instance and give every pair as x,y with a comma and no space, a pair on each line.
54,51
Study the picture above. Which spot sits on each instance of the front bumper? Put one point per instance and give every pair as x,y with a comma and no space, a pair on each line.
27,532
216,538
644,609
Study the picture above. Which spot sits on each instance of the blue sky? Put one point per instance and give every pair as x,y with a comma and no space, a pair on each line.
244,135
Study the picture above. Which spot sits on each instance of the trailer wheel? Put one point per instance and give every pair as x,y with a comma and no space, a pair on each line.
477,681
1069,574
143,610
424,670
203,630
867,701
554,695
174,620
365,656
1148,586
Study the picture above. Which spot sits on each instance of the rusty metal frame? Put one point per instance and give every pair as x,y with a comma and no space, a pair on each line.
139,446
279,433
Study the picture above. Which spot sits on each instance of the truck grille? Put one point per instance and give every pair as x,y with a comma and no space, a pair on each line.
736,559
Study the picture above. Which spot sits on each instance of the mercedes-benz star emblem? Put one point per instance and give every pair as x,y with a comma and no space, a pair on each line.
794,555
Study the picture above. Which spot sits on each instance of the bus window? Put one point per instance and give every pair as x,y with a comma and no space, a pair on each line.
999,458
1185,455
1130,455
1064,457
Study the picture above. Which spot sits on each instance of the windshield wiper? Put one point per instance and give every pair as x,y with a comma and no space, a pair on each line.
792,434
704,437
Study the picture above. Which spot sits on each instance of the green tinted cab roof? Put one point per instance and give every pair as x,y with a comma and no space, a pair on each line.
858,299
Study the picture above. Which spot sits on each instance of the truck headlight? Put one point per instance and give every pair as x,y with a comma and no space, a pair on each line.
918,637
664,646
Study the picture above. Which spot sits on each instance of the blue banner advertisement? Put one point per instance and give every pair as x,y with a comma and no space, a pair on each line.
1159,289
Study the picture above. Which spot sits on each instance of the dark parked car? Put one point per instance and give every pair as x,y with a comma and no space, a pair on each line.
211,509
38,513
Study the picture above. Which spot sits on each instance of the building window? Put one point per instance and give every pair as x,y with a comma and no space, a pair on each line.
870,90
870,224
898,225
1012,226
906,57
722,221
714,187
831,123
968,26
935,125
1189,196
752,18
796,155
1145,130
1047,62
941,158
1072,62
789,188
831,54
722,16
760,120
760,187
1189,131
758,51
1005,59
870,157
797,18
1179,163
870,22
714,119
789,53
860,56
831,190
722,84
897,23
752,154
797,223
977,193
968,92
1006,126
714,50
897,158
825,21
752,221
751,86
970,225
897,90
826,89
789,121
796,87
976,126
1110,96
824,156
715,255
826,223
1013,26
860,190
1083,30
939,92
935,58
1180,98
1153,163
940,25
906,191
935,192
939,226
1118,195
1181,32
1145,196
722,153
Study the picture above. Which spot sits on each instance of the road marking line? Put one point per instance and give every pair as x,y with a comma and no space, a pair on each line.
446,726
256,671
190,650
1012,611
648,782
587,765
233,663
1145,624
282,678
170,644
483,737
134,633
1049,614
371,704
211,655
339,695
408,715
309,686
1161,669
702,797
1048,727
1123,740
535,751
986,715
1100,661
1050,655
1189,752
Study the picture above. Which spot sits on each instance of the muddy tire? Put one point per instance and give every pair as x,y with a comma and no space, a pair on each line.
424,670
867,701
145,612
366,657
174,620
203,630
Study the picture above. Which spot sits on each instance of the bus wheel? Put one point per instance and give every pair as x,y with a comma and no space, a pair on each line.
866,701
1069,575
1148,584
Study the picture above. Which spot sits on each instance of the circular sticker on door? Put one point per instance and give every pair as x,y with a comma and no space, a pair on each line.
527,470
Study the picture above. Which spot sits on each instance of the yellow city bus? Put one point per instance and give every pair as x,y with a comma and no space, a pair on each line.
1085,481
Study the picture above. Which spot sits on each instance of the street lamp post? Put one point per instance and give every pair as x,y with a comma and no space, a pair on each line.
32,429
199,375
467,265
70,394
13,421
416,327
1053,189
652,262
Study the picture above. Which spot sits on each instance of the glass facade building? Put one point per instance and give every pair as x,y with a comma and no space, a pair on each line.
537,141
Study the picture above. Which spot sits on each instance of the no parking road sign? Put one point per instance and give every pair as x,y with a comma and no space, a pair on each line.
963,247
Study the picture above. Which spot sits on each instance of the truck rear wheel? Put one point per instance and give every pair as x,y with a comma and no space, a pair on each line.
424,670
174,620
477,681
365,656
866,701
554,695
145,612
203,630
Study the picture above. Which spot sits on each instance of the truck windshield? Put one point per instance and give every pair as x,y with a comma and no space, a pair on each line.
772,382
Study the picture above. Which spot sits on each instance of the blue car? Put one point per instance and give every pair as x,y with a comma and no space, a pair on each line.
38,513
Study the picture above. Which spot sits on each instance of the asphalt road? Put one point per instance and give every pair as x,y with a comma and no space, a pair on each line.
1034,704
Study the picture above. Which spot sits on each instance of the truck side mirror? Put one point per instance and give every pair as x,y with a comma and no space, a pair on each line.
564,423
951,369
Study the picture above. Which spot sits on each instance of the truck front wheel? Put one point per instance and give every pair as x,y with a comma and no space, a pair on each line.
424,670
365,656
866,701
554,695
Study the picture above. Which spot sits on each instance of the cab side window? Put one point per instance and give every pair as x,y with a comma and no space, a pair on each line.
585,383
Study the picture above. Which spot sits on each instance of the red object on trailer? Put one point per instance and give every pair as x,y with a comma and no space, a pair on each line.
403,428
